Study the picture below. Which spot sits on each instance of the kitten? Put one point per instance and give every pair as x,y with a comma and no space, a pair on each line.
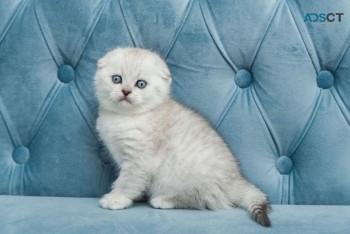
162,148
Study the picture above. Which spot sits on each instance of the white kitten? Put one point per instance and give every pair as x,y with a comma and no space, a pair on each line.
162,148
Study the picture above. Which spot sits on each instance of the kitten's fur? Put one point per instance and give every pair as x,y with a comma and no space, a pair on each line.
162,148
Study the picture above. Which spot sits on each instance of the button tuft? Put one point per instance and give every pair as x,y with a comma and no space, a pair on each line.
243,78
66,73
20,154
325,79
284,165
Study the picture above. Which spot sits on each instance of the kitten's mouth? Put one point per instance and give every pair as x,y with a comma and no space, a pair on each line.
124,99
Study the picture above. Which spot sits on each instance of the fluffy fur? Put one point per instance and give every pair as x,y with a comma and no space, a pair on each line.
163,149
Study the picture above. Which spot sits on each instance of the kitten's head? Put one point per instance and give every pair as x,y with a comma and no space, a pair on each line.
131,81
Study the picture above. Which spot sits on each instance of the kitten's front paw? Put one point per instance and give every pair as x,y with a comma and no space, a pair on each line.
115,201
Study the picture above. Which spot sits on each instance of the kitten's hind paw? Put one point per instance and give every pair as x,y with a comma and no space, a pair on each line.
160,203
114,201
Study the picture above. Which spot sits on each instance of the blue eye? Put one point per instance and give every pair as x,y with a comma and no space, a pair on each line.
117,79
141,84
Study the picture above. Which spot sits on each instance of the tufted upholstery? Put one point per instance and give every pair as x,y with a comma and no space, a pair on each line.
275,87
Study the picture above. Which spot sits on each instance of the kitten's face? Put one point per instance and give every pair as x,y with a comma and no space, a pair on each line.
131,81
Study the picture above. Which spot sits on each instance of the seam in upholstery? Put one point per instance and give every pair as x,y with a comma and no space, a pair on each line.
48,32
93,26
180,28
342,57
259,107
17,172
282,188
21,177
126,23
13,18
15,138
214,35
308,123
312,54
91,128
227,107
285,189
45,108
263,38
332,90
12,180
3,120
290,187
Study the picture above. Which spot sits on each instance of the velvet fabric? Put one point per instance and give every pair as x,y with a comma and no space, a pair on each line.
273,83
36,215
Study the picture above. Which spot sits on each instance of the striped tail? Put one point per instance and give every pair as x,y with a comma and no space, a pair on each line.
259,214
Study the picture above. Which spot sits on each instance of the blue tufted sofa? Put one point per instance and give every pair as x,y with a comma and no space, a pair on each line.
272,76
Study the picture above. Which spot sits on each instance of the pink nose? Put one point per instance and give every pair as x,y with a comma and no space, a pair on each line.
125,92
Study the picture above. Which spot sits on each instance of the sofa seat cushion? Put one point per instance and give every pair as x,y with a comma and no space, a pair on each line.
20,214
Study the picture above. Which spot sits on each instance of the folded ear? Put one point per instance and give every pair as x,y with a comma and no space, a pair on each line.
101,63
166,75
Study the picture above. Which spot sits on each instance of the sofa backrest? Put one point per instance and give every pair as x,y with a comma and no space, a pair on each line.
272,76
